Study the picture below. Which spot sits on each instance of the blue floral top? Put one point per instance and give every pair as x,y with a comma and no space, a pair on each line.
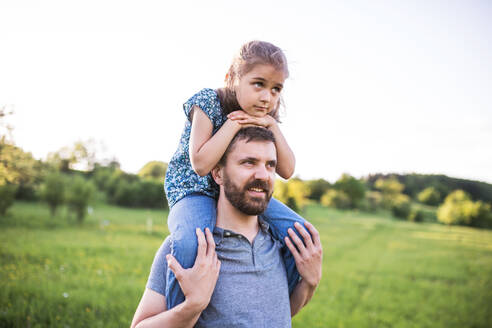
181,179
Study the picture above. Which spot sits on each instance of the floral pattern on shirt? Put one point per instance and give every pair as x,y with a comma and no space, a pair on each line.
181,179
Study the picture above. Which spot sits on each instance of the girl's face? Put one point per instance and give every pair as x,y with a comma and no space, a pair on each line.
258,91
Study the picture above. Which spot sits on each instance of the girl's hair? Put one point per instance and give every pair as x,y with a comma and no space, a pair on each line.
251,54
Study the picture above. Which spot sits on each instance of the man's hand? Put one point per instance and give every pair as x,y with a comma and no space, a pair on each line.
245,119
308,255
198,282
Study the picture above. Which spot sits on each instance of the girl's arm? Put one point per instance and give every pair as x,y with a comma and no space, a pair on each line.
206,150
286,161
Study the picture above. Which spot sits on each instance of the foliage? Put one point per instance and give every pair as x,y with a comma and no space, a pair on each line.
372,201
429,196
16,166
292,193
390,190
458,208
415,215
80,156
7,196
317,188
79,195
53,191
146,193
336,199
400,206
415,183
154,170
353,188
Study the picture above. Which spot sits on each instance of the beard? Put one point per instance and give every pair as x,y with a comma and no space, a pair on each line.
245,203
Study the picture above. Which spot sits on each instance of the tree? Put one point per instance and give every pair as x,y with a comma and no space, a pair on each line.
154,170
79,196
80,156
353,188
7,196
292,193
401,206
17,167
335,198
53,191
317,188
429,196
390,189
458,208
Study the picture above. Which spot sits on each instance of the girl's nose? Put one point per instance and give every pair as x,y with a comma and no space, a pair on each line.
265,96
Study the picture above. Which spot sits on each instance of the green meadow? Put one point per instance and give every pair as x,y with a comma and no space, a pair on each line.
377,271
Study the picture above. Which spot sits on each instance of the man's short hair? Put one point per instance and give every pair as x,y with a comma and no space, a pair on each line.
250,133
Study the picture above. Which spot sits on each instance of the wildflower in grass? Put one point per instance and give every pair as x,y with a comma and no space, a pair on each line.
65,295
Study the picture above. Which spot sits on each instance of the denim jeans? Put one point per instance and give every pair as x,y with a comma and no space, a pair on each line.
200,211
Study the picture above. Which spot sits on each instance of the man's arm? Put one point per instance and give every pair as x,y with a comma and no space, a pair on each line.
197,283
308,257
151,312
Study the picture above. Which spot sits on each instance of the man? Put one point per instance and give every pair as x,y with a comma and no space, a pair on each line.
251,290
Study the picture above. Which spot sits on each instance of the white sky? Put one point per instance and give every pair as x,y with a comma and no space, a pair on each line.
375,86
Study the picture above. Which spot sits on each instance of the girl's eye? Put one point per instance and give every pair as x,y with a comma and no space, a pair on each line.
258,84
276,90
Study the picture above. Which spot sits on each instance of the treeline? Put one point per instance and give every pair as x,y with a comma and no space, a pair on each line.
427,198
57,181
74,176
415,183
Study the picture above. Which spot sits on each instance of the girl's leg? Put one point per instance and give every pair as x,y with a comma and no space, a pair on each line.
193,211
281,218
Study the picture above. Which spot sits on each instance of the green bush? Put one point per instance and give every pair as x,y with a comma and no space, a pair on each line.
371,202
429,196
79,195
7,196
292,193
335,198
400,206
53,191
415,215
353,188
317,188
145,193
458,208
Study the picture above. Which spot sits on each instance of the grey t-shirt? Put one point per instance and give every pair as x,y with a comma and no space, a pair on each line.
251,290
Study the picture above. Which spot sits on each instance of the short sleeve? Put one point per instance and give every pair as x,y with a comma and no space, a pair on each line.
157,276
208,101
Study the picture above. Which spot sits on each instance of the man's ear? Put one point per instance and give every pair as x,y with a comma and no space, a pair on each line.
217,174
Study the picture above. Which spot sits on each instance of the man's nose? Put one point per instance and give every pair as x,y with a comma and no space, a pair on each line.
262,173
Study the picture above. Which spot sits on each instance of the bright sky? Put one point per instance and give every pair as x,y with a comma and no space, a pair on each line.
375,86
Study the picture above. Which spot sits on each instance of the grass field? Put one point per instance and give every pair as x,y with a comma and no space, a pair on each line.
377,272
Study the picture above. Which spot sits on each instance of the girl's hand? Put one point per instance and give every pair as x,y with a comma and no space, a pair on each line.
244,118
308,255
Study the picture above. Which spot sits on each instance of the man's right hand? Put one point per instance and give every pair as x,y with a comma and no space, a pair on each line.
198,282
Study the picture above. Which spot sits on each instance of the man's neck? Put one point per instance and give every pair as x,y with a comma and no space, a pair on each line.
230,218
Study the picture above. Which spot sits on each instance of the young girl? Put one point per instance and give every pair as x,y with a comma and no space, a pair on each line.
251,96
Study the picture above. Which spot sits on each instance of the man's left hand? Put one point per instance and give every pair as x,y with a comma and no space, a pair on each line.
308,255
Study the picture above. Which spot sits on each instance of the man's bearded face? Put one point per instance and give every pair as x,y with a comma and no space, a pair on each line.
252,198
